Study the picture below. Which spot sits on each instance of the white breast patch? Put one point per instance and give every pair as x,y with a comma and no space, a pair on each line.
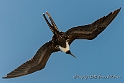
64,49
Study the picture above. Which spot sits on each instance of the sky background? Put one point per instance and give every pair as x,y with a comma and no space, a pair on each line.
23,31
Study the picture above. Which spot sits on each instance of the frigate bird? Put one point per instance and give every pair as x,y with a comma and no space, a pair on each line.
60,42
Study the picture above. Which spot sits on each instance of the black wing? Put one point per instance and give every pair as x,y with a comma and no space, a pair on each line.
38,62
92,30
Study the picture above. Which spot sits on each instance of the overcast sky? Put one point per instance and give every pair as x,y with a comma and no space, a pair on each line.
23,31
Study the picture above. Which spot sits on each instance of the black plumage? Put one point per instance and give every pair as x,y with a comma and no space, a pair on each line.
61,40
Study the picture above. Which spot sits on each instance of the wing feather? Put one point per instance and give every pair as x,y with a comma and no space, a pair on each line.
91,31
38,62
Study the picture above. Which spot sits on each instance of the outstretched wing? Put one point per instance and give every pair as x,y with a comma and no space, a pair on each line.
38,62
92,30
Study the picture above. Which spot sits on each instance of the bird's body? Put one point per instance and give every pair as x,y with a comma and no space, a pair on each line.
61,42
64,49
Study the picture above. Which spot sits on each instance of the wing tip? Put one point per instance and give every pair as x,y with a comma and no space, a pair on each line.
8,77
119,9
5,77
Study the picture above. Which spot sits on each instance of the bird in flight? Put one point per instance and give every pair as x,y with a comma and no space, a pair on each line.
60,42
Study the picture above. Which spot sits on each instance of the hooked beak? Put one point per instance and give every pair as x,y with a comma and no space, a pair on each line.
69,52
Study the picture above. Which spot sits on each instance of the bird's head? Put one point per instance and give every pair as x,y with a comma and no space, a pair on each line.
69,52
